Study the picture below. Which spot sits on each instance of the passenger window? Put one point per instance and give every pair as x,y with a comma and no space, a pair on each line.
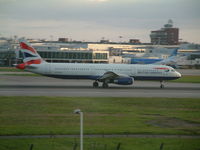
167,70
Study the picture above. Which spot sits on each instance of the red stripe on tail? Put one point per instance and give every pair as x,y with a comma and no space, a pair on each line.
37,61
23,65
25,46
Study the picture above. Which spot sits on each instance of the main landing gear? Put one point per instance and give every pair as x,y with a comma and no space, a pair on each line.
96,84
105,85
161,85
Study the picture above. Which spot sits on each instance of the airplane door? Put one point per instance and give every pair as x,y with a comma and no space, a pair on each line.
48,68
92,70
133,71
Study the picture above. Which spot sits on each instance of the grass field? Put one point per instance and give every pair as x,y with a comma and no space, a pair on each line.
10,69
53,115
23,74
100,144
188,79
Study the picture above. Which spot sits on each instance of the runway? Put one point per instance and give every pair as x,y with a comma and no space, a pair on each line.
45,86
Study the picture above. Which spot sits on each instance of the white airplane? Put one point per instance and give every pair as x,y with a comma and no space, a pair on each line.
170,61
122,74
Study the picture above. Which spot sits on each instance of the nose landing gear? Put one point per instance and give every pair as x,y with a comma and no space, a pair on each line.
161,85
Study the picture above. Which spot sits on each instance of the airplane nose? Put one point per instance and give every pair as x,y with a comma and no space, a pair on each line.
178,74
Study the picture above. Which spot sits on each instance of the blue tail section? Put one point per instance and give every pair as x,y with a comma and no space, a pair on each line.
174,53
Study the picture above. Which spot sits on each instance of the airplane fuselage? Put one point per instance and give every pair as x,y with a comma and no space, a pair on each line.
122,74
94,71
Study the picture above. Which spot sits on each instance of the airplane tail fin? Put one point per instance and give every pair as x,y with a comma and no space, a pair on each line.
30,55
171,59
174,53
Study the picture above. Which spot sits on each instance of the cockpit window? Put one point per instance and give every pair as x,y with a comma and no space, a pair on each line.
172,70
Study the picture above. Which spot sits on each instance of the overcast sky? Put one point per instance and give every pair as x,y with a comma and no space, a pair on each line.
90,20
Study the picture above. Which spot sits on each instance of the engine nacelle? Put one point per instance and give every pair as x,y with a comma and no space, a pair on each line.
123,80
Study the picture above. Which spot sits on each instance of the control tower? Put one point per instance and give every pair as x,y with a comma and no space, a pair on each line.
168,35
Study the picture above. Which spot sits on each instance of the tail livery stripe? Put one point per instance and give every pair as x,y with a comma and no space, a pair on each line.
25,46
37,61
23,65
29,55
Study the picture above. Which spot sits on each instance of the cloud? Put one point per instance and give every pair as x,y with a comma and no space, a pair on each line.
97,16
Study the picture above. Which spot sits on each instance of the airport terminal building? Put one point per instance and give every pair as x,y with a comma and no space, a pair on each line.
88,52
10,54
75,56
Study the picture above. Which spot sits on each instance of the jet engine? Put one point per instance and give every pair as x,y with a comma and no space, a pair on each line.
123,80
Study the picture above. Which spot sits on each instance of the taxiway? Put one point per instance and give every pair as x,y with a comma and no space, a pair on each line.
45,86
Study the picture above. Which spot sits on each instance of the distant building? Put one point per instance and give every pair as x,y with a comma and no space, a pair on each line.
134,41
104,41
95,52
165,36
115,60
75,56
63,40
115,51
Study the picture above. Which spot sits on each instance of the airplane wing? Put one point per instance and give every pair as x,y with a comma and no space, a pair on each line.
108,75
111,76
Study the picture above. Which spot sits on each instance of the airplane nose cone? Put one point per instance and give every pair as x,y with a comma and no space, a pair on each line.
178,74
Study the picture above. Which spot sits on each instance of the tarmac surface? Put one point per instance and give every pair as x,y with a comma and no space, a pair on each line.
11,85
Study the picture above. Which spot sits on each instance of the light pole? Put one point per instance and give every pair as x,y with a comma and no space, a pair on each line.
78,111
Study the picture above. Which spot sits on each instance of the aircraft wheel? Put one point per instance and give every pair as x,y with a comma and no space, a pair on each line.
95,84
162,86
105,85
